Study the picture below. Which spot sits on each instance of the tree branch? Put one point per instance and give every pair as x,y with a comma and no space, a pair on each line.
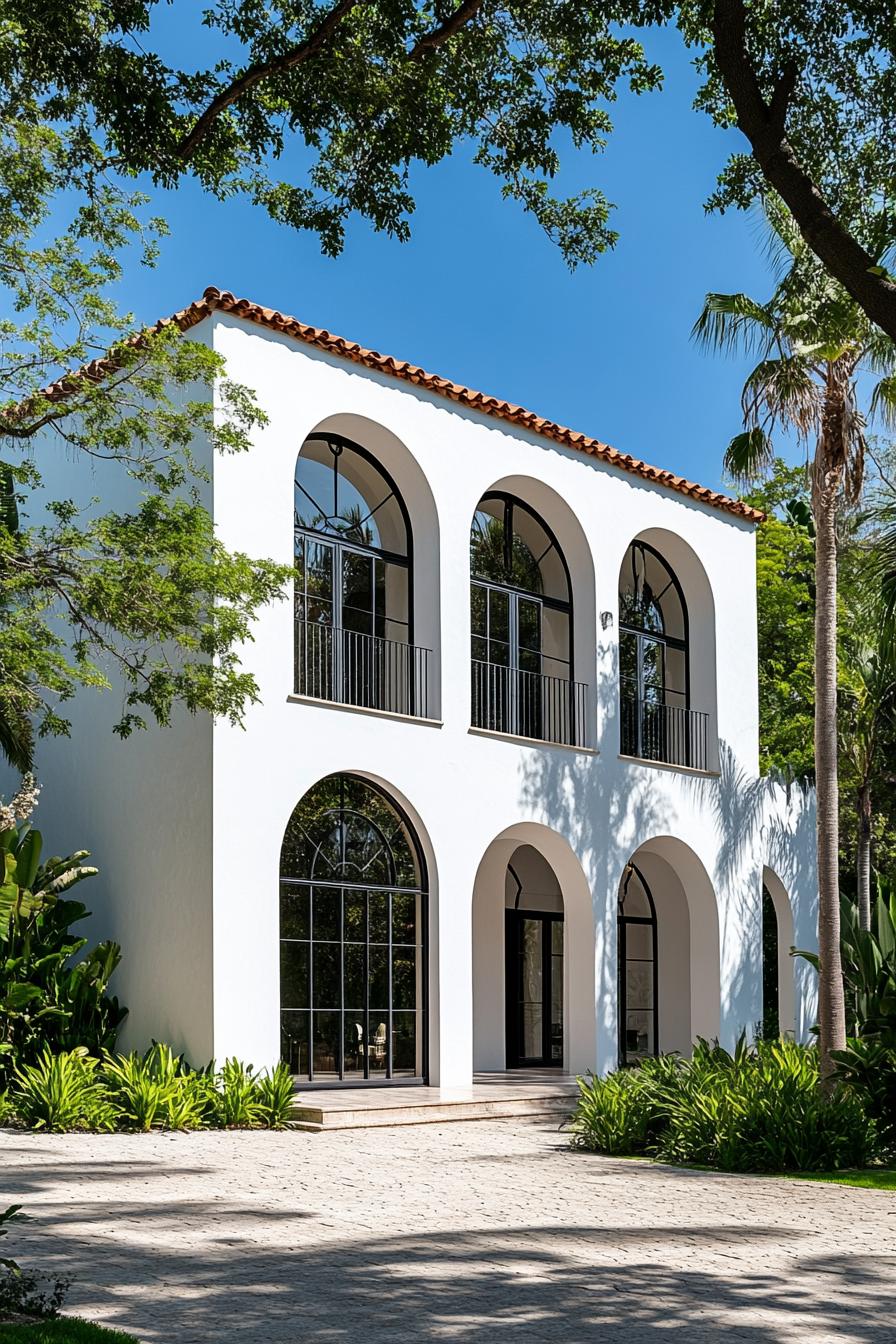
453,24
303,51
763,125
261,70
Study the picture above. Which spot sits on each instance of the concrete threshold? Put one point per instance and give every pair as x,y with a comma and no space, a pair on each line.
362,1109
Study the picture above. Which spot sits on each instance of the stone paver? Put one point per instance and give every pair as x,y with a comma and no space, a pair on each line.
472,1232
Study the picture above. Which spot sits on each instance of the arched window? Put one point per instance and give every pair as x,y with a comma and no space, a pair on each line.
656,722
638,999
353,586
521,619
352,937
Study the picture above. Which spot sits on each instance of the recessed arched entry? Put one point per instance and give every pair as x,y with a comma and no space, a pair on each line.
533,956
668,965
353,937
778,996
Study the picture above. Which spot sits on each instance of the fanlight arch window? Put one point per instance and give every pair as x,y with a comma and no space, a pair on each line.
657,722
353,584
638,1005
521,625
352,937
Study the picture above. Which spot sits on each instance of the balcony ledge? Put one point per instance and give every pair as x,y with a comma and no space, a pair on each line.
665,765
363,709
540,742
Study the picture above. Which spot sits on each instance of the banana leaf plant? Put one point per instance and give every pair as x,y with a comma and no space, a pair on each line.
868,958
50,994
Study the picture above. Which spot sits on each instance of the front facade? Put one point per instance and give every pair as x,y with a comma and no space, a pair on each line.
499,805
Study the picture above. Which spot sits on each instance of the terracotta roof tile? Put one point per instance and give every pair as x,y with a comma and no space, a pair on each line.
222,301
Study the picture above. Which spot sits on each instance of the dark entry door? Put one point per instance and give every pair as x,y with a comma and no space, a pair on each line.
534,987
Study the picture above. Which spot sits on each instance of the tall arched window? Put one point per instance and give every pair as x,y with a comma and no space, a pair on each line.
353,586
657,723
521,625
638,1006
352,937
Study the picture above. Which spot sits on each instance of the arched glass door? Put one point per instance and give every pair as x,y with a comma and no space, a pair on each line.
352,938
353,598
521,617
638,1006
656,723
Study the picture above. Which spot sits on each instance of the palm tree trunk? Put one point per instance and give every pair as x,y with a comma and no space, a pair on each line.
863,852
831,1008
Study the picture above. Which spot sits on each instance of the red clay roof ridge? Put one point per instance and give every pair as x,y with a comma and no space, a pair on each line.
222,300
214,299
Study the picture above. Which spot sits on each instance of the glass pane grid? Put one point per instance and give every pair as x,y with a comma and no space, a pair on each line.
352,955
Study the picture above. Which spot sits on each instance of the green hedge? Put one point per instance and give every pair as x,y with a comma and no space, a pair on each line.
759,1109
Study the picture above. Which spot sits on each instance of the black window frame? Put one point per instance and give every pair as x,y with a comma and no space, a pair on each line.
421,890
622,921
642,633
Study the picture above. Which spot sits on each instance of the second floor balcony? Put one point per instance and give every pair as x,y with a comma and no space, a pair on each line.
528,704
354,668
653,729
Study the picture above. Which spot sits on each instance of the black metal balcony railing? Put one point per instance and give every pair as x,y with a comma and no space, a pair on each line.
654,731
528,704
351,668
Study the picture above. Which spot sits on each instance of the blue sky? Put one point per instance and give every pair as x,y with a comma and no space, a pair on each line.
481,296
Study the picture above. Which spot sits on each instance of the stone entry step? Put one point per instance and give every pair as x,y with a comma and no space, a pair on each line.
492,1097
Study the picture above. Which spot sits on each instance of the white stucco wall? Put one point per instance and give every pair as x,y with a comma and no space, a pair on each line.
465,788
204,809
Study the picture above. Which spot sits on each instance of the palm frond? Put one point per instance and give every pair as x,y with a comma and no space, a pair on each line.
16,736
783,242
783,389
749,454
733,323
879,352
883,401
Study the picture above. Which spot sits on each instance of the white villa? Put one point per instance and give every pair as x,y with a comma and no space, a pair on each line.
500,806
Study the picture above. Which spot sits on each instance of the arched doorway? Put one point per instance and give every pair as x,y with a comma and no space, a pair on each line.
534,962
533,955
353,938
668,962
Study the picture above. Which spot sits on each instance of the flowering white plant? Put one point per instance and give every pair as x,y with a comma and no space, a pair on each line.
21,805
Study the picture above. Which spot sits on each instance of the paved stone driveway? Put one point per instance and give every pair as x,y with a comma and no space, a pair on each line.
473,1232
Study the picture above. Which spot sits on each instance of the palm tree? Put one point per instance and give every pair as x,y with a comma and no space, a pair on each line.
812,343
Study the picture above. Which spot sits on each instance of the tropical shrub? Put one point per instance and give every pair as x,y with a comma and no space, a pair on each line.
868,1064
239,1105
622,1113
49,1000
758,1109
276,1097
62,1092
155,1090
